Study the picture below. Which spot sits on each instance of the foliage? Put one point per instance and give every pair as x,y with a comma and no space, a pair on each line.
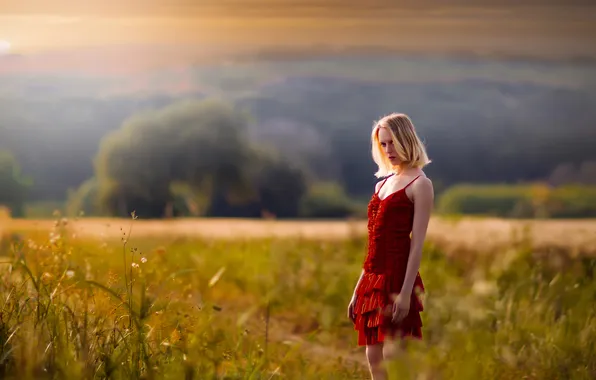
328,200
243,309
13,185
198,144
83,200
192,142
572,201
520,201
483,120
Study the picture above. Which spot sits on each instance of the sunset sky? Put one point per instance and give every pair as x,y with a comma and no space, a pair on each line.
34,26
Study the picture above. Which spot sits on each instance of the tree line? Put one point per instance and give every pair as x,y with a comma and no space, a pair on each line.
308,131
190,158
194,158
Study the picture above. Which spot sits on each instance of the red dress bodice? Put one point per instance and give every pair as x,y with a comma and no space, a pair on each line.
389,228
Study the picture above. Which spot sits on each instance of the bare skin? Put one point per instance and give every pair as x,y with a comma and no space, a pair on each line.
421,193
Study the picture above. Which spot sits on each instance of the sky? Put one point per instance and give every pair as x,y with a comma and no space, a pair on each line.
546,29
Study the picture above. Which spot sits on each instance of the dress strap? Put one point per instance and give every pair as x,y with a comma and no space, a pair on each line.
385,180
412,181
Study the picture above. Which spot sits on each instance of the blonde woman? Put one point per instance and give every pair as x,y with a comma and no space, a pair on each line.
386,303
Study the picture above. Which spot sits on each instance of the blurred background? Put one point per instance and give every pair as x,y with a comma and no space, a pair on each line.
263,108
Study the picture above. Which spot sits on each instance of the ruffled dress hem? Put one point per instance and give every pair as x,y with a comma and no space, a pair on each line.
373,309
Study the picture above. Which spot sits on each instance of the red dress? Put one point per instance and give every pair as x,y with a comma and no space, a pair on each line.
389,227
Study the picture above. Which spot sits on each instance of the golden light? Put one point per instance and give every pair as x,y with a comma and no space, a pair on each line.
4,46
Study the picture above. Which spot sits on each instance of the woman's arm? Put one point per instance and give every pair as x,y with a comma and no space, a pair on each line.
352,304
357,283
423,197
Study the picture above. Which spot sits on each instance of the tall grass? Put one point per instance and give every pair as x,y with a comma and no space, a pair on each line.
175,308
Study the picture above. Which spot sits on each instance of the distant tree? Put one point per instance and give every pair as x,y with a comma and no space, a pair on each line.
83,200
161,162
328,200
567,173
563,174
13,185
279,186
274,187
478,129
587,173
520,201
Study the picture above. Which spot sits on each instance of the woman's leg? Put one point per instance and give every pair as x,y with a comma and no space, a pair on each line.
374,355
394,347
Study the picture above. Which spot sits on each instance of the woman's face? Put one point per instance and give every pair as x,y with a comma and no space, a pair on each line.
386,141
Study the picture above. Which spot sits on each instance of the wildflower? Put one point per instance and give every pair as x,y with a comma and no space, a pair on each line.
135,265
143,260
70,273
32,244
54,238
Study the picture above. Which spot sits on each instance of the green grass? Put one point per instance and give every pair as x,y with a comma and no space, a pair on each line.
270,308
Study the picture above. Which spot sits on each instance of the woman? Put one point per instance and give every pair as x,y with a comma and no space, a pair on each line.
386,303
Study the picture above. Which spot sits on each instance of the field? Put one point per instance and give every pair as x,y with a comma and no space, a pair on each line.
240,299
454,235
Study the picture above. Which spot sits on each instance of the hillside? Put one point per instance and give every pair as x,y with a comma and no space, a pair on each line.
483,120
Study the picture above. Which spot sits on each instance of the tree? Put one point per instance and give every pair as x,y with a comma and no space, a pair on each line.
329,200
13,186
83,199
587,173
279,186
194,149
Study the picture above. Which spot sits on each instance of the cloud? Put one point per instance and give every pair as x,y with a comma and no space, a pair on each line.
529,27
330,8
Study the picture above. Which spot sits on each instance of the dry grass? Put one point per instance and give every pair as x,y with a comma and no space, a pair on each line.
453,235
87,299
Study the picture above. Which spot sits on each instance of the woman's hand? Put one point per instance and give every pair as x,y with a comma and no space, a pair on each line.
351,307
401,308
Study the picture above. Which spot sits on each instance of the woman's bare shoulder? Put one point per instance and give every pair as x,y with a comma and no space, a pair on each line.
423,187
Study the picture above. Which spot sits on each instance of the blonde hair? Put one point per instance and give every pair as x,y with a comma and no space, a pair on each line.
410,149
